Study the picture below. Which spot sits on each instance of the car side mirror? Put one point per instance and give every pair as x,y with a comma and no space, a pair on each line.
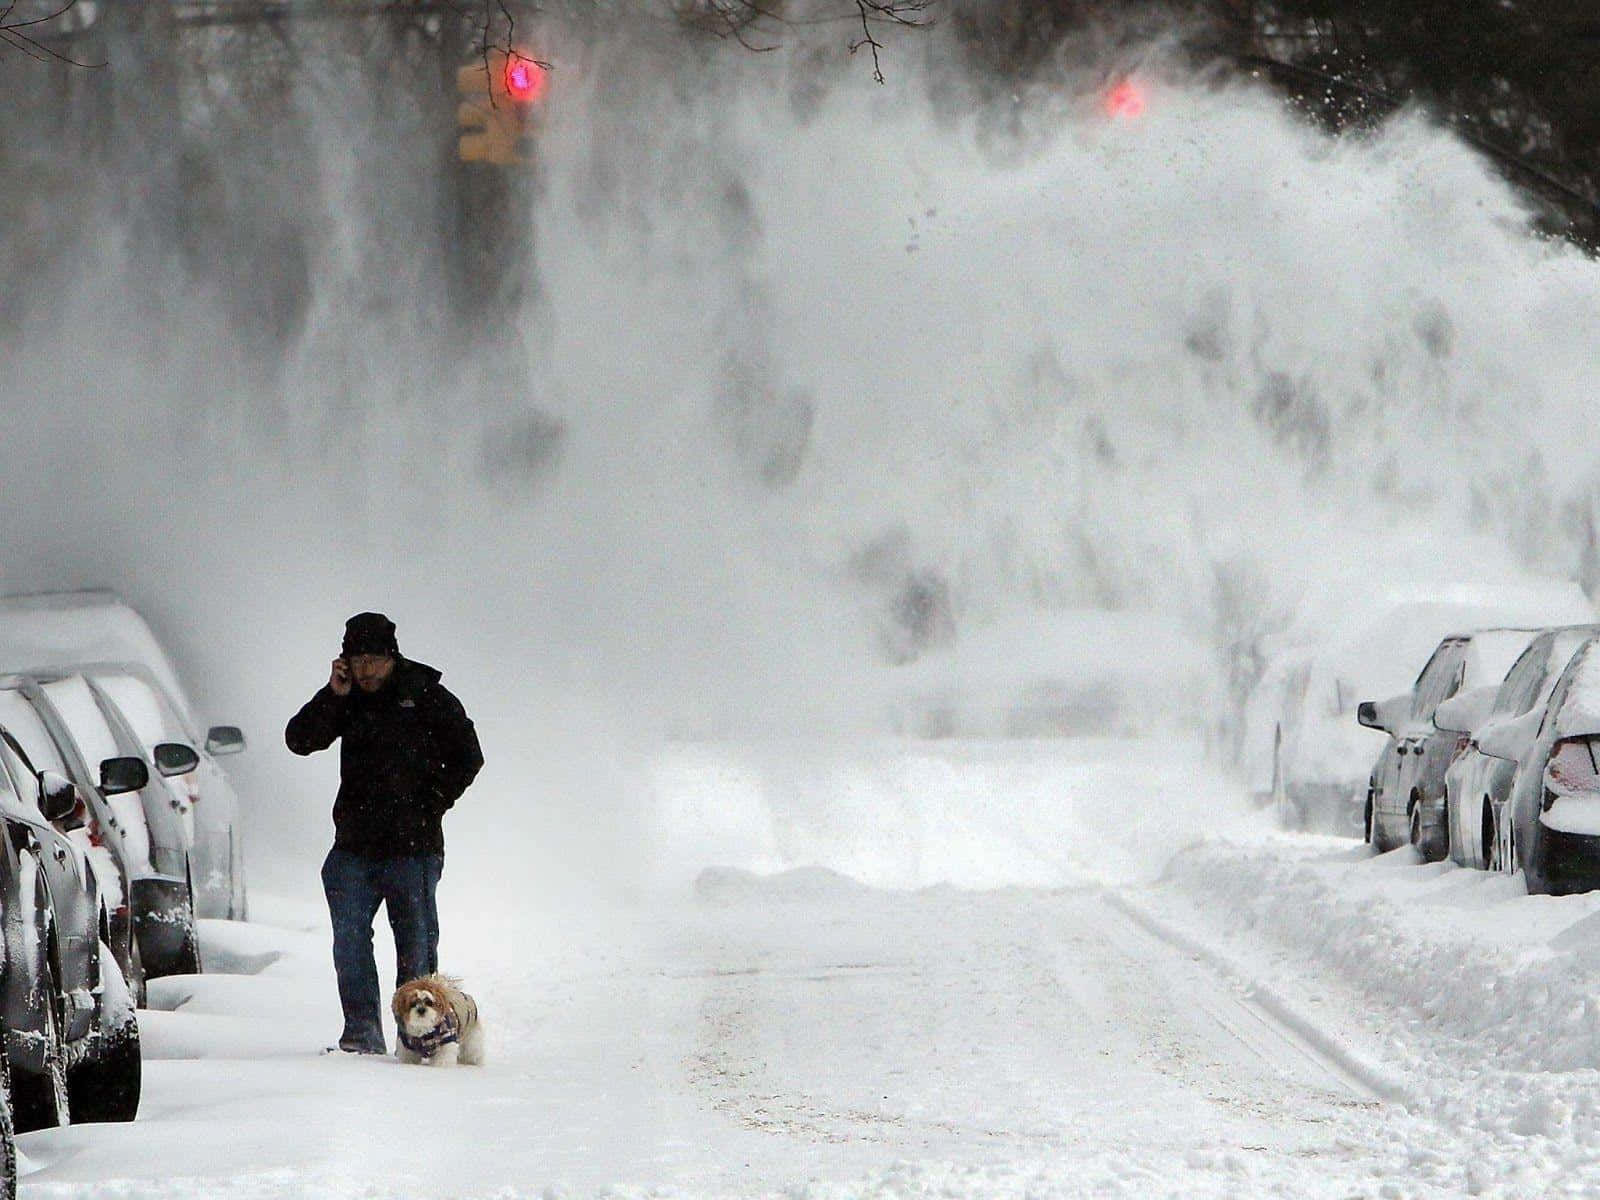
174,758
119,775
1387,715
1510,739
58,799
1465,711
1495,742
224,739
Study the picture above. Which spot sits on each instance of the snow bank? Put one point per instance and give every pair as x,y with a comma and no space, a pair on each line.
1485,1000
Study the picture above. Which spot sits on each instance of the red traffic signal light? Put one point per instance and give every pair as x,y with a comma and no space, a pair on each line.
524,79
499,93
1125,100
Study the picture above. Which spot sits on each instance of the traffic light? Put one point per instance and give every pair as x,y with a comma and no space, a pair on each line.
1125,101
499,92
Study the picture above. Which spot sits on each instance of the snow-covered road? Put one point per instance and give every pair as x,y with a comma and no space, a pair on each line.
1265,1018
776,1031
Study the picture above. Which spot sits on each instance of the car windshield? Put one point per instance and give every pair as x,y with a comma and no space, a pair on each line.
1493,652
1574,766
1439,679
1521,685
11,766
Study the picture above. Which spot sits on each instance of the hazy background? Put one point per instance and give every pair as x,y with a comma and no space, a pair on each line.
1201,362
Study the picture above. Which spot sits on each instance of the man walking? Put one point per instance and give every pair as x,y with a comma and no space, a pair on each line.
408,752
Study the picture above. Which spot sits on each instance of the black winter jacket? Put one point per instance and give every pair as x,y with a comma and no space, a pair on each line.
409,750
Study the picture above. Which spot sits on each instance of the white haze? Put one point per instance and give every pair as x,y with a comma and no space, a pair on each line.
1200,361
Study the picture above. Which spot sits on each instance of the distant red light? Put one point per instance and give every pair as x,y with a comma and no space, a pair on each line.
524,79
1126,100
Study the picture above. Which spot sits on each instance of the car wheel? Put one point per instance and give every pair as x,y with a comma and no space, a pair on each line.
105,1085
1366,822
1420,836
1490,844
41,1100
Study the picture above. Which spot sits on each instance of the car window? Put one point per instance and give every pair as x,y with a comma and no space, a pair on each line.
19,718
151,720
1439,679
1521,686
1491,653
15,781
1558,695
1567,645
72,699
27,783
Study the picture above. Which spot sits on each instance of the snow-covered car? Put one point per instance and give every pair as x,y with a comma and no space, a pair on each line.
1406,796
1315,767
151,722
139,823
71,1033
1069,672
1300,747
89,827
1477,784
1549,827
94,634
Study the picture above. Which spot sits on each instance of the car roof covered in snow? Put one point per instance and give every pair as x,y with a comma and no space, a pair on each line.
64,629
1378,639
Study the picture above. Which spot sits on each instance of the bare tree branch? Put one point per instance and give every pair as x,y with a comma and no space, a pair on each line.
35,49
899,12
868,40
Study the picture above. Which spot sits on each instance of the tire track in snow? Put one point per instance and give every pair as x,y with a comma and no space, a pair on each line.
1264,1021
1033,1021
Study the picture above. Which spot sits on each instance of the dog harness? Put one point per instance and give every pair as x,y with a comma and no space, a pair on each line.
446,1031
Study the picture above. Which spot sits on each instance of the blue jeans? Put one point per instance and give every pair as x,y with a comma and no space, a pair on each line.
355,886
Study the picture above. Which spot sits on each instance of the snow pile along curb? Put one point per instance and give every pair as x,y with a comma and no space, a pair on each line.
1484,1000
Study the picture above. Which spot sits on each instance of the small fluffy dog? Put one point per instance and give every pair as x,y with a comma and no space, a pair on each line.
437,1023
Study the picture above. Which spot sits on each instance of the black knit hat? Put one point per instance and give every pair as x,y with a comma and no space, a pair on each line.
369,633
